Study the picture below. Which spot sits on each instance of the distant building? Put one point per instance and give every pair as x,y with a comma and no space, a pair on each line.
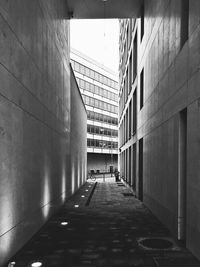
99,88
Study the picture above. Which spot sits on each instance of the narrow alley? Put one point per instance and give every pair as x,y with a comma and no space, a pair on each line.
103,224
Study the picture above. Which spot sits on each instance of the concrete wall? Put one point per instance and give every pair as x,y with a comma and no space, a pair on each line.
78,146
171,84
34,117
101,162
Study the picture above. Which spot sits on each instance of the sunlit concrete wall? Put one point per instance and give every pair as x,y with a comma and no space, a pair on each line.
78,137
171,84
34,117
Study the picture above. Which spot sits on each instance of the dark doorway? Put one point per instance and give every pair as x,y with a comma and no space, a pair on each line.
182,163
134,167
141,169
130,164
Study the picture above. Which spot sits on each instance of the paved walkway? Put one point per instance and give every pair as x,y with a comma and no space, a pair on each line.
106,229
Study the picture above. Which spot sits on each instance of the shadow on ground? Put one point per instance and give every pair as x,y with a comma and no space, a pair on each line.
114,229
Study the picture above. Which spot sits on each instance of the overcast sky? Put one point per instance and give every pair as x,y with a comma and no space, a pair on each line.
98,39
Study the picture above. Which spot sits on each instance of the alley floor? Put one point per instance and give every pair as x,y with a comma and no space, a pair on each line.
103,224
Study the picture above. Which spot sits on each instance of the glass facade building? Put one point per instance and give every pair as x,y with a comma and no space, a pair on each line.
99,89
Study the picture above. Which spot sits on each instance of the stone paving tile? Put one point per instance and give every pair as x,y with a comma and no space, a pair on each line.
106,233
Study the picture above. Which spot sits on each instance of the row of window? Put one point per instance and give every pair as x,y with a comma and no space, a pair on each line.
129,170
102,118
96,89
128,126
90,101
101,131
102,144
93,74
130,76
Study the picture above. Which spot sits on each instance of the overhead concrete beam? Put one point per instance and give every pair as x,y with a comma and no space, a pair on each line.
91,9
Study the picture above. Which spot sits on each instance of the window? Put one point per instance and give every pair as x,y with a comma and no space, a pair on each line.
104,144
100,144
184,22
92,74
92,143
105,93
88,114
87,72
100,104
96,89
97,116
141,88
134,111
82,83
126,87
92,87
92,102
97,143
105,106
130,118
100,117
82,69
97,130
92,129
87,86
92,115
76,66
96,76
101,78
135,57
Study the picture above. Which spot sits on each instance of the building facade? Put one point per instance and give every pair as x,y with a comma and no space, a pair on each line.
99,88
159,113
35,113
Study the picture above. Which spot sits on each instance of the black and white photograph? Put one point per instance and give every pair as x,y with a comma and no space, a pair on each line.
99,133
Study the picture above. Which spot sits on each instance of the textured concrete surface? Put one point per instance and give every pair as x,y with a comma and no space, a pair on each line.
104,233
171,84
34,117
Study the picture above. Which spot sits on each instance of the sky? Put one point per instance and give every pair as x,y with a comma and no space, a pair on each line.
98,39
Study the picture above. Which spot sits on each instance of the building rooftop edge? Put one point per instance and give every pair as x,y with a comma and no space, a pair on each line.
87,58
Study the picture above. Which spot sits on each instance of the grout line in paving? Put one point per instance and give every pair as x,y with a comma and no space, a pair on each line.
91,194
